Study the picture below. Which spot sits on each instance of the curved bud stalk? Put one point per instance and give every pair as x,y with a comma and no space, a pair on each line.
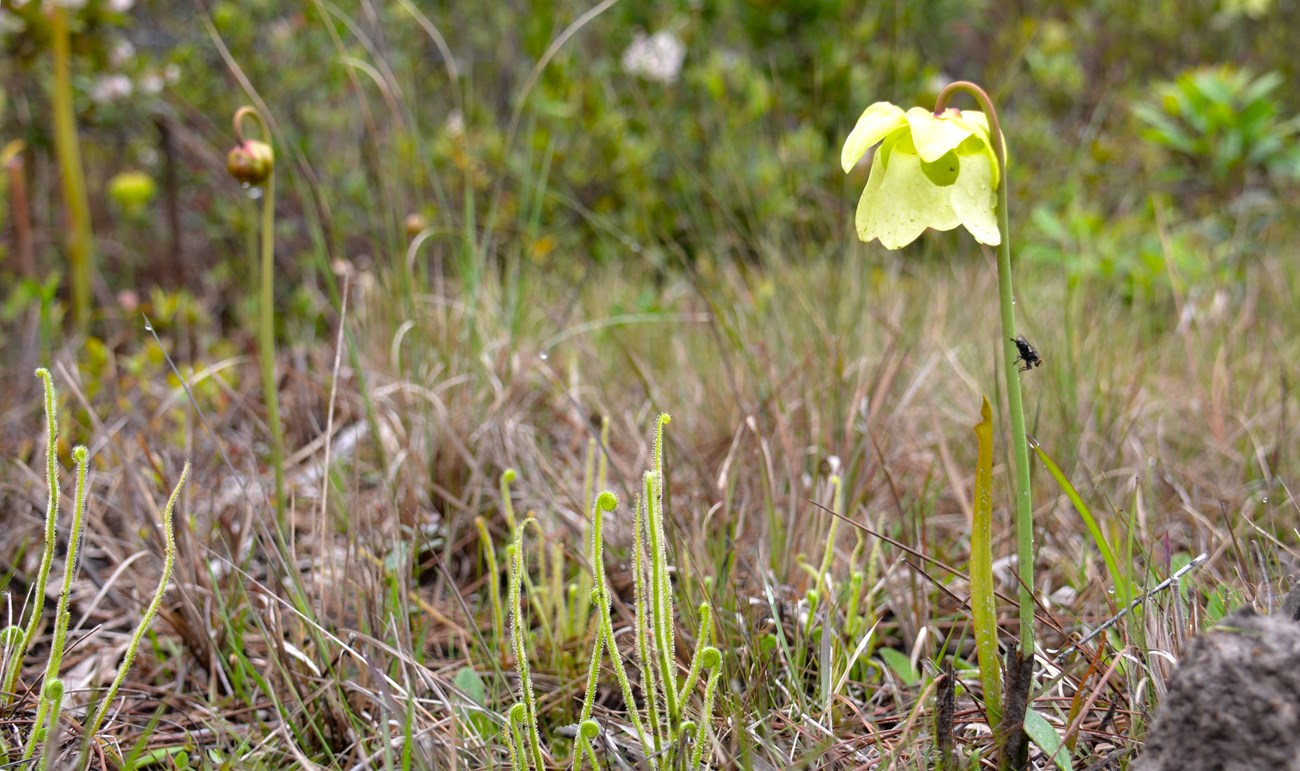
252,162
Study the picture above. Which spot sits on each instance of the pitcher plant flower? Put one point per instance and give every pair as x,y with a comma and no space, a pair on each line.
939,169
933,170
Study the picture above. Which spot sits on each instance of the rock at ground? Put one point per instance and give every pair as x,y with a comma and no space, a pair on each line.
1233,703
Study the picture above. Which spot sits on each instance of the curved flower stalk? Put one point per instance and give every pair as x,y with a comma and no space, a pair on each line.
939,170
252,162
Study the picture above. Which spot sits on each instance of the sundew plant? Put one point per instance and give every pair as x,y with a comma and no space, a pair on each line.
668,735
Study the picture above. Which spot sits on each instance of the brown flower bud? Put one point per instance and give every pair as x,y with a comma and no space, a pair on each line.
250,162
414,224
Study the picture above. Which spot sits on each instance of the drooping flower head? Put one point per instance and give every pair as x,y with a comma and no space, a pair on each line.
931,171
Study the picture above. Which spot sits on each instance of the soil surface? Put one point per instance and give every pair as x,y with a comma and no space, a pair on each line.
1234,702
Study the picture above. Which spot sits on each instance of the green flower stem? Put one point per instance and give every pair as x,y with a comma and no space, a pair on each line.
169,562
266,314
1006,299
51,532
67,148
267,342
837,506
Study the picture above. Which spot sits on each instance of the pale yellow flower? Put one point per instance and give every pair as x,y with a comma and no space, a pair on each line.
930,172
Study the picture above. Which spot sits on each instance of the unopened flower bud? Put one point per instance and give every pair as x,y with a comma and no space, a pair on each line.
414,224
251,162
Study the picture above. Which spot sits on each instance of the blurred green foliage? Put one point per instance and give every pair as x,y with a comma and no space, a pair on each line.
1223,128
679,133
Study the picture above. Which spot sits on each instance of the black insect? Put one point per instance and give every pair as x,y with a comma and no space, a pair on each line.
1027,354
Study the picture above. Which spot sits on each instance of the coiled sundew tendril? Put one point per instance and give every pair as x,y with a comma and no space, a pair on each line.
51,694
517,634
507,506
169,562
641,599
607,501
712,661
660,599
61,617
518,755
15,657
588,730
701,644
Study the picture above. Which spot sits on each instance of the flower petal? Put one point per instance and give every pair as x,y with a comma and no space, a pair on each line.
973,197
981,123
935,136
876,123
900,202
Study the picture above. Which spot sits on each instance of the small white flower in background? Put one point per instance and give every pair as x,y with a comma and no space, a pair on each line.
658,57
282,31
938,82
172,73
152,83
455,125
111,88
120,6
121,53
10,24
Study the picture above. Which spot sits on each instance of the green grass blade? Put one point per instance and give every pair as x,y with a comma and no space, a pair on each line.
1042,733
1122,588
